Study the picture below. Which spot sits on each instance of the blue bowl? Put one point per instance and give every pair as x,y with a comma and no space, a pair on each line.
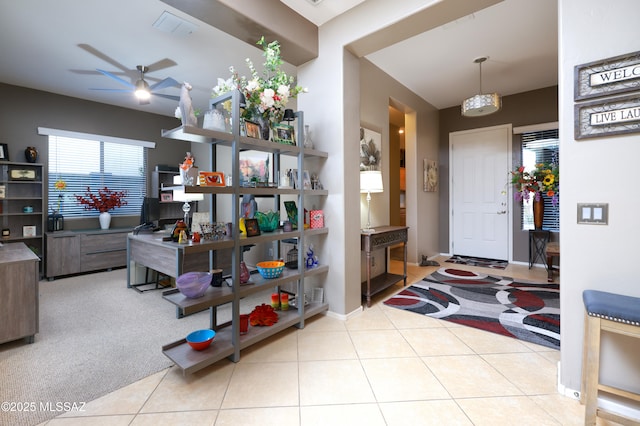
200,339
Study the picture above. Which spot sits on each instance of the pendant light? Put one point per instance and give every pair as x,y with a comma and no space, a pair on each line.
481,104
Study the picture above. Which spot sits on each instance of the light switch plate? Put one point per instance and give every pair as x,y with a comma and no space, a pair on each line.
593,213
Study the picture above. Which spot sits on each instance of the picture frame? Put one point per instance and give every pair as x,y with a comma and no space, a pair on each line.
2,192
292,213
211,179
29,231
197,218
283,133
253,129
166,197
4,152
255,167
253,229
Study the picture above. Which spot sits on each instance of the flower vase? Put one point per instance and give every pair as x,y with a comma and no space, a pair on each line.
105,220
538,211
265,127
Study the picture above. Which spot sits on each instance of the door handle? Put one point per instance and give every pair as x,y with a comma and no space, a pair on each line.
502,212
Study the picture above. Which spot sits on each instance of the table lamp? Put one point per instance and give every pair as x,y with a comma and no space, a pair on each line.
181,195
370,181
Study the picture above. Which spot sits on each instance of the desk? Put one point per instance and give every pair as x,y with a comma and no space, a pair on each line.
19,304
382,237
538,240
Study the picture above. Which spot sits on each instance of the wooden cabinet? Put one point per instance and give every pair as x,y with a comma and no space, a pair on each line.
19,270
229,342
72,252
22,210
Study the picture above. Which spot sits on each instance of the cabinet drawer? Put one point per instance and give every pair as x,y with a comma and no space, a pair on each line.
98,243
104,260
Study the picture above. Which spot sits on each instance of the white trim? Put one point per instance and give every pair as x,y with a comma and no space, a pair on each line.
536,128
71,134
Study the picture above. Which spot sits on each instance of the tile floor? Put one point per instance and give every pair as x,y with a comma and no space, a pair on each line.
382,367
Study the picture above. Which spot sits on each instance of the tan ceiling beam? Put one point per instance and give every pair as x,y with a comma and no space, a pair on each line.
248,20
427,19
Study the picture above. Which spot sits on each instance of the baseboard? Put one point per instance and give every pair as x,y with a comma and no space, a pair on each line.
344,317
605,403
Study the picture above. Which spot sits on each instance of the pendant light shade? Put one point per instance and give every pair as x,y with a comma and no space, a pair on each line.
481,104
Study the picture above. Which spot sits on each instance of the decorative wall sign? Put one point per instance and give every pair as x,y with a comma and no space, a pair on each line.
607,117
611,76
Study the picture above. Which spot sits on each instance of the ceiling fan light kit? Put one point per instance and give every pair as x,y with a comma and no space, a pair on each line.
481,104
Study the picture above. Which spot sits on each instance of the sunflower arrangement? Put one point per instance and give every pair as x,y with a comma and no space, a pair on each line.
544,178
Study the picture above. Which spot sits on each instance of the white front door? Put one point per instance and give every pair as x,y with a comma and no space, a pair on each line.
479,176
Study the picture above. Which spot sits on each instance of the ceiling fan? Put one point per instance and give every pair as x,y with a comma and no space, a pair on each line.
141,89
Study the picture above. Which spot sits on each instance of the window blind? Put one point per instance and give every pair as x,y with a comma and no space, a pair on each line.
95,164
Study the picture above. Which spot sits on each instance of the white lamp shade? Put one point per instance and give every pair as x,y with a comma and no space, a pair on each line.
371,181
180,195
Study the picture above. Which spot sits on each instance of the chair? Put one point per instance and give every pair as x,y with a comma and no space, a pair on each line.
552,250
615,314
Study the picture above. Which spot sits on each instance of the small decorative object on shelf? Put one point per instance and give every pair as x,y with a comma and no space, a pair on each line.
31,154
263,315
307,143
105,200
55,221
317,219
244,273
188,171
187,113
269,221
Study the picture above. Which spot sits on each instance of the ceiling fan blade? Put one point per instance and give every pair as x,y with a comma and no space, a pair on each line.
116,78
167,82
99,54
161,64
112,90
162,95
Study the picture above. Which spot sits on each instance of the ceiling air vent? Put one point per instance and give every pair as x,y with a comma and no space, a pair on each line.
172,24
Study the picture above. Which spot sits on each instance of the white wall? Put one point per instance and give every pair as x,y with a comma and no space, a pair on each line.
602,170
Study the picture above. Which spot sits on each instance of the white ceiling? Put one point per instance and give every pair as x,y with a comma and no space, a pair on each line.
56,46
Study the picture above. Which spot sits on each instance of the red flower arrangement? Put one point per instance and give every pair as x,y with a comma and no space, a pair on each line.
106,199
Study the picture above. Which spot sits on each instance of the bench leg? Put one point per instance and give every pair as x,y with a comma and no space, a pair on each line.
591,370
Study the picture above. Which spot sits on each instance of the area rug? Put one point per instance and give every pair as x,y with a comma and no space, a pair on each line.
524,310
478,261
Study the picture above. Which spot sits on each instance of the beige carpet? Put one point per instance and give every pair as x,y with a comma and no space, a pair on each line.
95,336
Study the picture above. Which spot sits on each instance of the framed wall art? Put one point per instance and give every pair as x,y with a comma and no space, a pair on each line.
430,170
370,150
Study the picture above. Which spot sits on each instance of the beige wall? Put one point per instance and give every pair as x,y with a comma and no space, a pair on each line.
597,170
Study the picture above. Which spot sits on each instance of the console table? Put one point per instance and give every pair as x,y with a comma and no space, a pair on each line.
382,237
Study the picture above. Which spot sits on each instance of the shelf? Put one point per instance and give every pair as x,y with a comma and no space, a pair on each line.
196,134
190,360
228,341
381,282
